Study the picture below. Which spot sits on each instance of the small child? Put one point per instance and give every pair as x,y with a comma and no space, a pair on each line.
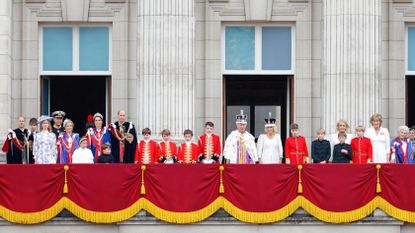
320,148
106,156
146,152
296,147
209,145
361,147
82,154
342,152
187,152
166,149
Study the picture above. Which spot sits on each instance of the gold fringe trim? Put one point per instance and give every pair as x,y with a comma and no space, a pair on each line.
183,217
400,214
199,215
262,217
338,217
32,217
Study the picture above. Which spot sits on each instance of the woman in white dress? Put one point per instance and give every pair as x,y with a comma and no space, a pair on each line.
269,145
44,143
380,139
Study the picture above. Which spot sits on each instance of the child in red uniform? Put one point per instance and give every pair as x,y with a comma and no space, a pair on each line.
166,151
296,147
146,152
361,147
188,151
209,145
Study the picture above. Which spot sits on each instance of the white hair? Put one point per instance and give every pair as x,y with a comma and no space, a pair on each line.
403,128
66,121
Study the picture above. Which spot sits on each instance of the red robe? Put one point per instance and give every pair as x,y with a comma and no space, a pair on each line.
296,150
361,149
214,149
162,151
146,153
187,155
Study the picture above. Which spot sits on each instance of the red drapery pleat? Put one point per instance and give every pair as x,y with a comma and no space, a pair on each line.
30,188
339,187
260,188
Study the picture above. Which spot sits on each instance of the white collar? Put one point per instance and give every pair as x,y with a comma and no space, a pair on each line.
188,143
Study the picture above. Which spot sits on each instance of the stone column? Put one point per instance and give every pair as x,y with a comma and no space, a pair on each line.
5,66
165,65
351,63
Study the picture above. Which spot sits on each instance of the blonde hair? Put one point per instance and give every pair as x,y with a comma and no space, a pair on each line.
360,128
376,116
321,130
67,121
274,128
342,121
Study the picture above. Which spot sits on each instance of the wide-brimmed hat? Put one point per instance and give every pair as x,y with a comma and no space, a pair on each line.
44,118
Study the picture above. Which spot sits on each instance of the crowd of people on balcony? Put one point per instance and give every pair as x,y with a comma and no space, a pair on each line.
44,143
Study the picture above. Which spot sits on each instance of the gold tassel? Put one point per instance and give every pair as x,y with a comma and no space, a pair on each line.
143,188
221,187
300,185
65,186
378,188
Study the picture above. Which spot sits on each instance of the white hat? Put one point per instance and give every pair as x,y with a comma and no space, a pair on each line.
269,122
44,118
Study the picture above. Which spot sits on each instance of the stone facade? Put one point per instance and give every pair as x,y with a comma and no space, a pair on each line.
167,58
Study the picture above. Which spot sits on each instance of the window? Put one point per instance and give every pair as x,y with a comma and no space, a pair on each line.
411,50
75,50
266,49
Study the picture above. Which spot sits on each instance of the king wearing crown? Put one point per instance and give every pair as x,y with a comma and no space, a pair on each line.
240,145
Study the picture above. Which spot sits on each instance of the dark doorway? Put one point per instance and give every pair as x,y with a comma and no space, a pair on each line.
78,96
410,101
257,95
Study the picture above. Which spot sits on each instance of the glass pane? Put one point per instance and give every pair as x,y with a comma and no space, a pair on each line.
57,48
231,112
261,113
240,48
276,48
411,48
93,49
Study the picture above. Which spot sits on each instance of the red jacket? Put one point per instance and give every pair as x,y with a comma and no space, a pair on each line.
187,155
361,150
296,150
146,153
214,149
162,150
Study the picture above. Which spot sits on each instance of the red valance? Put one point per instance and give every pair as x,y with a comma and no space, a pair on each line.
106,193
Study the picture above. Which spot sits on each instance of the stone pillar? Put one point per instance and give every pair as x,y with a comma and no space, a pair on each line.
351,63
165,65
5,66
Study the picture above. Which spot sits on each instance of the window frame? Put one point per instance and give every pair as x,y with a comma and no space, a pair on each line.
75,50
258,48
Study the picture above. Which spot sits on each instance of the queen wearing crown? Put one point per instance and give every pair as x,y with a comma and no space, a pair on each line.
269,144
240,145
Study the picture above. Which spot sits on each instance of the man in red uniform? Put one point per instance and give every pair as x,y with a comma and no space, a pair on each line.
187,152
209,145
361,147
146,152
296,147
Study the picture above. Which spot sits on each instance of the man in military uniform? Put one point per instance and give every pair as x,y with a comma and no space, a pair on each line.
57,128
